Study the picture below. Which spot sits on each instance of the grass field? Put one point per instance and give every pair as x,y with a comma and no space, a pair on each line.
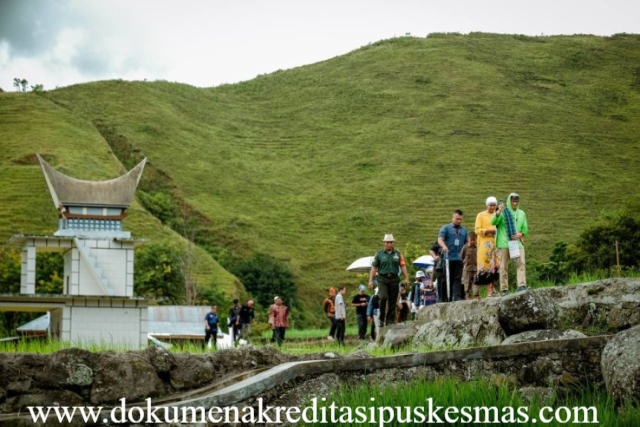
315,164
500,399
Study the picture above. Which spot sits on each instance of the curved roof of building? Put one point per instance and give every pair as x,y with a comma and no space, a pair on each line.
67,191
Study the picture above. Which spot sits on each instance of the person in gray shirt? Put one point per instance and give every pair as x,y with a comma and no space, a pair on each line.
341,315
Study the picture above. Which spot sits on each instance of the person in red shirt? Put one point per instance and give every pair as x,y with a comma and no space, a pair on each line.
279,319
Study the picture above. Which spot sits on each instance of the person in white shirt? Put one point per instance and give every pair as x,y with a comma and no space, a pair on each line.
341,315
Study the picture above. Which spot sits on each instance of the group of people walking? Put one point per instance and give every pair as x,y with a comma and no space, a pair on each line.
239,322
463,260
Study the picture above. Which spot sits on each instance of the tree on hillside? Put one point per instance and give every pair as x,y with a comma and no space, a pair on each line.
265,277
188,228
158,273
21,85
595,249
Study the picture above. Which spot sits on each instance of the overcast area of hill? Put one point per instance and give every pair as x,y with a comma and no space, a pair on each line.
314,165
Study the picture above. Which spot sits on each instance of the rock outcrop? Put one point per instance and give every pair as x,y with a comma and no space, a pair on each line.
602,307
527,311
542,335
621,365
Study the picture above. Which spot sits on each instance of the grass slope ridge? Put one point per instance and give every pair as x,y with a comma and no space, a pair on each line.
31,124
315,164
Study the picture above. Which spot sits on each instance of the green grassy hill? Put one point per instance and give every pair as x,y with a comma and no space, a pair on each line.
315,164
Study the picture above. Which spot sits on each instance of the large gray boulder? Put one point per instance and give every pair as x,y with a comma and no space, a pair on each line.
69,367
130,375
399,336
609,306
161,359
459,324
190,371
621,364
458,333
543,335
526,311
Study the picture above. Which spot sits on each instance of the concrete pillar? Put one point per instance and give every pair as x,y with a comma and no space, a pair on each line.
74,288
129,272
28,271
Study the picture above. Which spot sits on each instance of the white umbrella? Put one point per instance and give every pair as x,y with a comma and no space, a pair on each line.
361,265
424,261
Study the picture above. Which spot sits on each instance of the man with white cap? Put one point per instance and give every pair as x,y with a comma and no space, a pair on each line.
360,302
388,263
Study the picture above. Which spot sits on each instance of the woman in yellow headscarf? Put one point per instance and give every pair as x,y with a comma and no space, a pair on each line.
487,254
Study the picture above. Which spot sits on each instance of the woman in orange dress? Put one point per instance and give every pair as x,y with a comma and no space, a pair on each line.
487,254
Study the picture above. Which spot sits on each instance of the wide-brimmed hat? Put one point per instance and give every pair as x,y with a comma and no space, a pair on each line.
388,238
419,273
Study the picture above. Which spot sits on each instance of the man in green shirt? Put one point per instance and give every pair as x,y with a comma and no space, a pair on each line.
388,263
511,225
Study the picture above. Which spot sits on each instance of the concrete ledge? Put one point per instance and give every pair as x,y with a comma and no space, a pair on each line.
256,385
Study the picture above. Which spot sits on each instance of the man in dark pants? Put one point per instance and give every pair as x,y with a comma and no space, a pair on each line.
211,327
360,302
388,263
451,238
438,269
234,321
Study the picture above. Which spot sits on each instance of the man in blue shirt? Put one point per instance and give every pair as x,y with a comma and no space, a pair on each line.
211,327
451,238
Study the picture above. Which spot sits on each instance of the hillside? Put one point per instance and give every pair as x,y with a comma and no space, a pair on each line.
315,164
30,124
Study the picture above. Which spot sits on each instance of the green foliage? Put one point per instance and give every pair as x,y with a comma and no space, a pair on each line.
160,205
37,89
595,249
158,273
411,251
10,270
557,269
49,273
265,277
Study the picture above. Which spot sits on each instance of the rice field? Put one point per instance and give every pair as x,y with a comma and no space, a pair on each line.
402,399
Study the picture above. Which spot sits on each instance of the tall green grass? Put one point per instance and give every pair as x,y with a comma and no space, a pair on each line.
314,333
480,393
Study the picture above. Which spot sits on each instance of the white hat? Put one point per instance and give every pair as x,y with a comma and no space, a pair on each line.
388,238
419,273
491,201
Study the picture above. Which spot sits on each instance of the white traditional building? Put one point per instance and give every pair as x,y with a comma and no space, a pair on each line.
97,303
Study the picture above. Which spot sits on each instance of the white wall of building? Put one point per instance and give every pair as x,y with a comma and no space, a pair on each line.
105,320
